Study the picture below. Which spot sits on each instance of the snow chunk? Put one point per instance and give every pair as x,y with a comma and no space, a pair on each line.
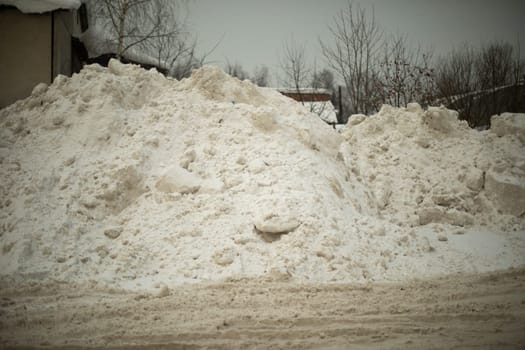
509,124
276,216
177,179
508,192
355,119
440,118
276,223
474,179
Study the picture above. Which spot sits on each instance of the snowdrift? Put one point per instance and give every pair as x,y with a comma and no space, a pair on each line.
121,176
429,167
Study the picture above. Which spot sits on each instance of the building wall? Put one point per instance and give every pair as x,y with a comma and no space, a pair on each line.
63,22
25,53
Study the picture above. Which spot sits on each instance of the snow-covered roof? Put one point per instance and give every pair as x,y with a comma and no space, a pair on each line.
41,6
303,91
324,109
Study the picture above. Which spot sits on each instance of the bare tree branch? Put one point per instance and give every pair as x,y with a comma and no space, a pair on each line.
353,55
294,66
154,29
481,82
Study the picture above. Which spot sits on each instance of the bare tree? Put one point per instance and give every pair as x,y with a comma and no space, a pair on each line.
294,67
495,68
305,82
323,79
131,22
353,55
151,29
261,76
236,70
518,77
405,74
457,81
482,82
172,45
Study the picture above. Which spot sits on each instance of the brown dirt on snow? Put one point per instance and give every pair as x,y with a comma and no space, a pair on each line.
453,312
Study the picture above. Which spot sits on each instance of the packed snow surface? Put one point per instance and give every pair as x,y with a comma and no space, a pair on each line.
41,6
122,176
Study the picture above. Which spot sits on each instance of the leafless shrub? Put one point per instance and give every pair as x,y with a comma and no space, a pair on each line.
405,74
151,30
482,82
357,39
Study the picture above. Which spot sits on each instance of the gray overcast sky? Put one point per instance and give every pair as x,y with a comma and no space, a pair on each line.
252,32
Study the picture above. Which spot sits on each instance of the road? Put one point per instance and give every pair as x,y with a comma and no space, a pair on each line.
453,312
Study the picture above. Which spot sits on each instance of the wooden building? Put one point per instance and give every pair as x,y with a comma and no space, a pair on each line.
36,45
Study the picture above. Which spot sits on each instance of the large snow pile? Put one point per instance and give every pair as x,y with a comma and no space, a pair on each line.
429,167
123,176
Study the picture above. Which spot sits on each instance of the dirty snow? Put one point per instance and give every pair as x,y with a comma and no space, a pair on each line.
125,177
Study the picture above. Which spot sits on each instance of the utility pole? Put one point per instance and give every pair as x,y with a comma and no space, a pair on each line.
340,114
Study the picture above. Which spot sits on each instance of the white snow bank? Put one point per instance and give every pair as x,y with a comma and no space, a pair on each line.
428,167
122,176
41,6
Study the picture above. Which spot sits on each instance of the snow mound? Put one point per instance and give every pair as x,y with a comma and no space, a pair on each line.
122,176
429,167
216,85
